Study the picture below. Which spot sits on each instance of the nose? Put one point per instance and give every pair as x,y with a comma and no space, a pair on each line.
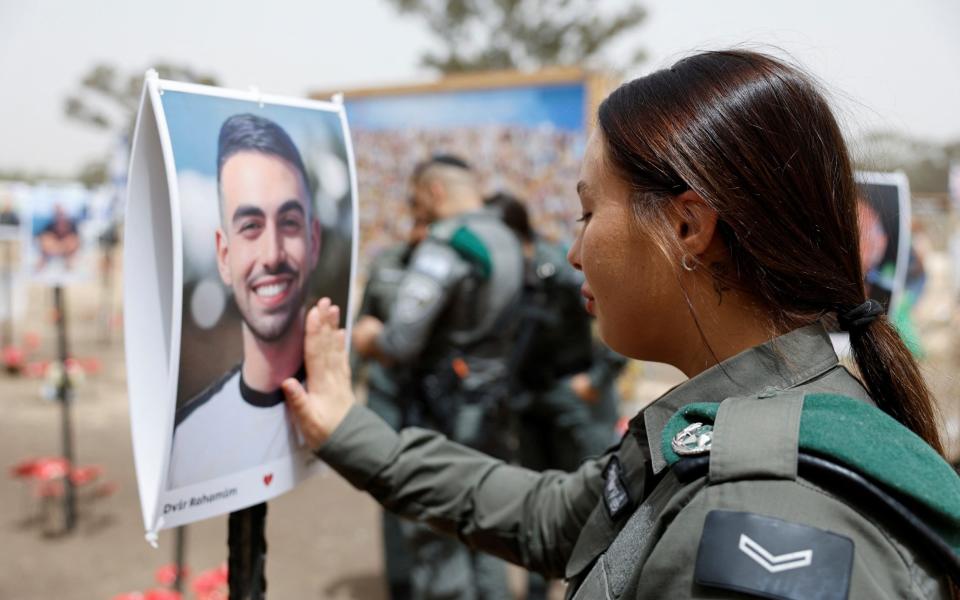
573,254
272,253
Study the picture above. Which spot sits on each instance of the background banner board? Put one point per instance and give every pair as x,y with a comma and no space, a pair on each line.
241,212
523,133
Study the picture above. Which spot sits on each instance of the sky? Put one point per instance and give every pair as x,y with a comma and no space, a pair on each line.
892,65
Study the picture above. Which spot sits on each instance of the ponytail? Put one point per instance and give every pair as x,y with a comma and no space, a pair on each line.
894,381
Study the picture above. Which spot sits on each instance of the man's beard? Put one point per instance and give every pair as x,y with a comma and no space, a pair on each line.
273,332
277,326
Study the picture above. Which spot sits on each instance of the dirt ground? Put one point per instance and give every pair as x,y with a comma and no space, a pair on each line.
323,537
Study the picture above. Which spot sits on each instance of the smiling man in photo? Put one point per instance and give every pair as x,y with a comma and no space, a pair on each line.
267,246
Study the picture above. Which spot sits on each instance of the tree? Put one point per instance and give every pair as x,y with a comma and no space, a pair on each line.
925,163
108,100
520,34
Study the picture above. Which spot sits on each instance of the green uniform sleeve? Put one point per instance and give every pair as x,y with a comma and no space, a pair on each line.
528,518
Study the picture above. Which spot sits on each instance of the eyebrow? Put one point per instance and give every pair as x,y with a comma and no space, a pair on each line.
245,211
292,205
248,210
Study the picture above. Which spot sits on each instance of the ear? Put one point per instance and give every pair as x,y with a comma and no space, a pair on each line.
694,223
438,196
223,249
315,241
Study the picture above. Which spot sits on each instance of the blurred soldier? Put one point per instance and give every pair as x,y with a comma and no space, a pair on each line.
451,331
383,390
563,384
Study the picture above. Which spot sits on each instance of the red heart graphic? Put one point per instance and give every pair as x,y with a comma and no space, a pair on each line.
267,478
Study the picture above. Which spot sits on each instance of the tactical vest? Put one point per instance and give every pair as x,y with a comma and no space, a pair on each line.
463,383
822,452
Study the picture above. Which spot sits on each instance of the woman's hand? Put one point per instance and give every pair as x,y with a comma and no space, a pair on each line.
322,406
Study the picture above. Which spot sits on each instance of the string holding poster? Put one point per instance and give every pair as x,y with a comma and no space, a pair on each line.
241,213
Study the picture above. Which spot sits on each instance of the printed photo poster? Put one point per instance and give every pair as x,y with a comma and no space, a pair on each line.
953,243
241,213
522,133
13,296
59,234
11,209
883,207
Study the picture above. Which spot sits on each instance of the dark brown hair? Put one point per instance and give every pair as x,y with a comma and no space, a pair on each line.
754,138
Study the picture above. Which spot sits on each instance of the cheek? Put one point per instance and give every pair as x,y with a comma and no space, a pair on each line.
297,249
242,258
603,252
635,291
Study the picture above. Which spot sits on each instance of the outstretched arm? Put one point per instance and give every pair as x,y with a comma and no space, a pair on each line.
528,518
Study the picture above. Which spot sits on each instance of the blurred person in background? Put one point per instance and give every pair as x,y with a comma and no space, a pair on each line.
59,239
383,385
564,388
450,330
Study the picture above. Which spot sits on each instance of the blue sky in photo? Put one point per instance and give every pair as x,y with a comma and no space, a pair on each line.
529,106
194,122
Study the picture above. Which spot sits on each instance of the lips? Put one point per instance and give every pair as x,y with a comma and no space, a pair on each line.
271,291
588,296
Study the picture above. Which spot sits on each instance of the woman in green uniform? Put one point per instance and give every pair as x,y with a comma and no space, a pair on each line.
719,231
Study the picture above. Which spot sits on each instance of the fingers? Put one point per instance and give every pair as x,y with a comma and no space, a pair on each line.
333,316
317,315
296,396
324,348
323,318
298,401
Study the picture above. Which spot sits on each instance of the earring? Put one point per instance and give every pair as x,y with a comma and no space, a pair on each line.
686,267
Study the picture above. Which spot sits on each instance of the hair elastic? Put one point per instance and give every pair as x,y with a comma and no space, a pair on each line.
860,316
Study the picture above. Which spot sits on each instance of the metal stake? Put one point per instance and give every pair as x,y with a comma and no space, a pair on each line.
247,553
63,396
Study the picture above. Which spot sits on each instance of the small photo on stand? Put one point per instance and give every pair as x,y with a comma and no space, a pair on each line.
57,240
13,297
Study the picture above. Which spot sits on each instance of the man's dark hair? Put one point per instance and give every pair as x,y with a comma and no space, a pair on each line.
247,132
446,160
513,213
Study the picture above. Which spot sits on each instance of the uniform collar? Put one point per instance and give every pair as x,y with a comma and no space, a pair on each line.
782,363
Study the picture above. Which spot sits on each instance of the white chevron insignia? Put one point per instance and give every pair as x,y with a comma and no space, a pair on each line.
772,562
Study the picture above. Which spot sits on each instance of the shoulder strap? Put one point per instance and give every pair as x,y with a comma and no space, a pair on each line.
756,437
611,573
